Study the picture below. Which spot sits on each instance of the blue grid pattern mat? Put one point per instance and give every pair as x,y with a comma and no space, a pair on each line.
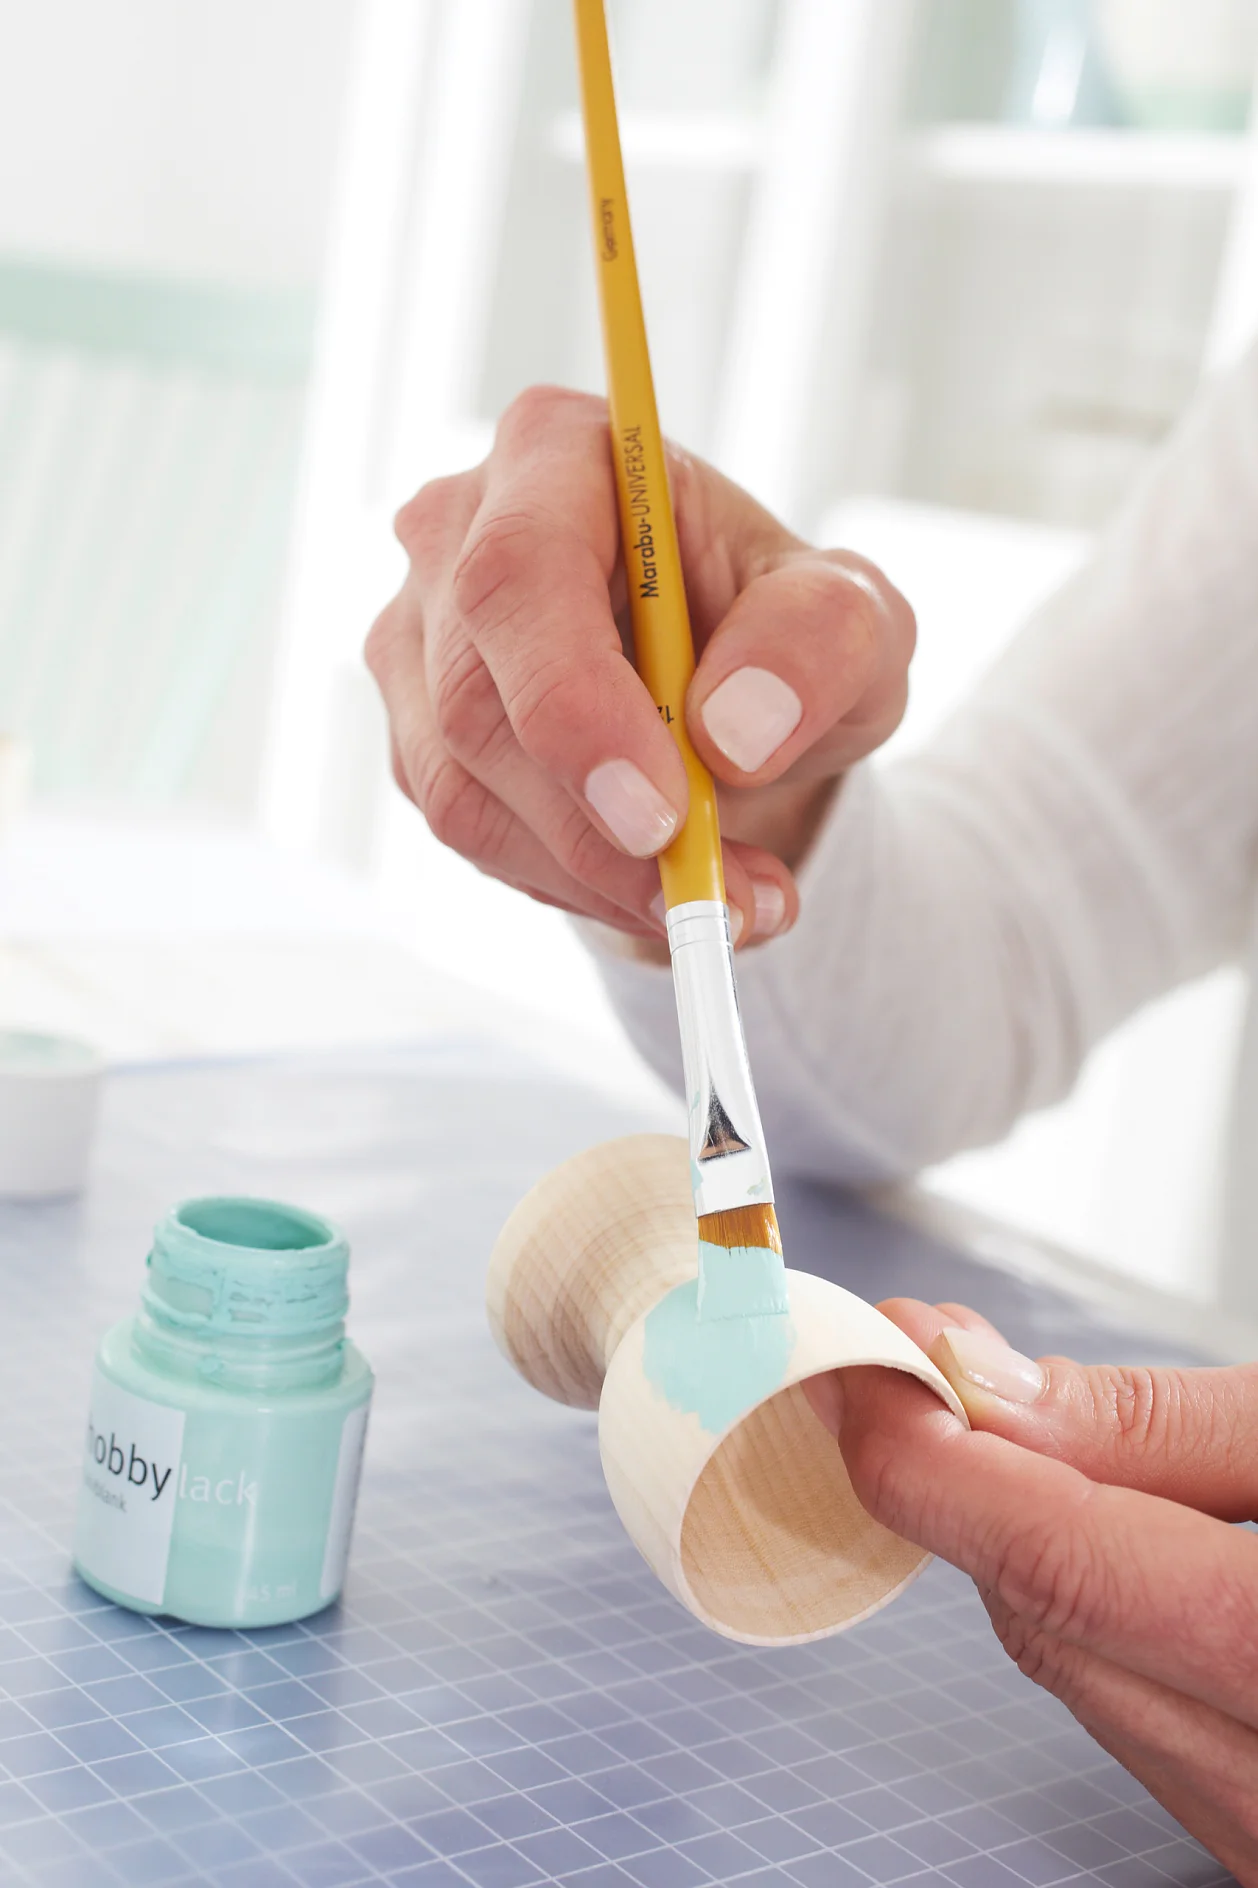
505,1696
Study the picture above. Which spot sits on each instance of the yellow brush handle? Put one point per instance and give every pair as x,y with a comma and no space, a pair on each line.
663,648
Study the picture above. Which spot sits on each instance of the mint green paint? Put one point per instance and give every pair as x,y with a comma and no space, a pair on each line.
714,1368
241,1328
246,1270
740,1282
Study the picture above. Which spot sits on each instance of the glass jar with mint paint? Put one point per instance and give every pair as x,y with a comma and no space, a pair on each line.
226,1424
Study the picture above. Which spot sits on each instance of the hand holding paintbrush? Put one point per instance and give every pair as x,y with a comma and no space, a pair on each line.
740,1265
713,1453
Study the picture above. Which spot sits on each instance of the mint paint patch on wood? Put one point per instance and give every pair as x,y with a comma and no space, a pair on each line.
714,1368
740,1282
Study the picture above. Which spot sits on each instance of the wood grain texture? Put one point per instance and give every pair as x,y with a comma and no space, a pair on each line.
756,1530
774,1542
592,1247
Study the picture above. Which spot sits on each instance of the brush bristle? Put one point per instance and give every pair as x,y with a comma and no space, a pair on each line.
741,1274
743,1226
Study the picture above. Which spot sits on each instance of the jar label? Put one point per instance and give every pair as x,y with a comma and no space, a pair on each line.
130,1486
349,1464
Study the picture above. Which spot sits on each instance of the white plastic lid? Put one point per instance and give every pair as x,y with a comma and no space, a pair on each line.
49,1100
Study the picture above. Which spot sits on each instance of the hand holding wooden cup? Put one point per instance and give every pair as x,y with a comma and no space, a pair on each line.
725,1479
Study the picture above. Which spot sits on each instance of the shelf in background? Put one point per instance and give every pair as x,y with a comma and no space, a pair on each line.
980,153
962,153
722,141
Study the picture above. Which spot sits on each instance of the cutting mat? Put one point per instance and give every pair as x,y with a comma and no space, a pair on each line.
506,1696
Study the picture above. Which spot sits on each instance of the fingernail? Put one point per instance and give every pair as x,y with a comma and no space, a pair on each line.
735,923
749,716
632,809
770,906
989,1365
659,911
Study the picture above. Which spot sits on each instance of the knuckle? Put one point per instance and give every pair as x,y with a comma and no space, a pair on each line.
535,410
1037,1655
442,794
485,587
581,849
427,512
461,813
817,586
465,702
1140,1408
1022,1643
836,583
1160,1416
886,609
548,709
1052,1580
848,608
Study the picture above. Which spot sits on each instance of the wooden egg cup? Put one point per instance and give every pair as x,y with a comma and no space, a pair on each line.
751,1522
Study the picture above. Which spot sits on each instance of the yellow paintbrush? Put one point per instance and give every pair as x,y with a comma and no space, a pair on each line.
740,1266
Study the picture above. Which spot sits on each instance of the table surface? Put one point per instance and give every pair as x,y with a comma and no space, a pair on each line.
505,1695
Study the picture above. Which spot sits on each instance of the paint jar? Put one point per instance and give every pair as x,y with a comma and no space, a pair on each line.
226,1425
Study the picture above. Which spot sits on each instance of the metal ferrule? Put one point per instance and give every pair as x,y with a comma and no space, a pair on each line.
728,1163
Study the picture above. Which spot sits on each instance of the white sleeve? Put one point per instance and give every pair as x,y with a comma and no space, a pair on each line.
1082,836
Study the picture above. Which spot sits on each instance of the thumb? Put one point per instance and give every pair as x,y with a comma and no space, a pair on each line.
806,673
1190,1436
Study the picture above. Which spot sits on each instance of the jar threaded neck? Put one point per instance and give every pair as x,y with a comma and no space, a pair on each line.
245,1291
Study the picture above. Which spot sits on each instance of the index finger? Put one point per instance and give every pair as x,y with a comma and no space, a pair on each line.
1188,1434
530,591
1150,1585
